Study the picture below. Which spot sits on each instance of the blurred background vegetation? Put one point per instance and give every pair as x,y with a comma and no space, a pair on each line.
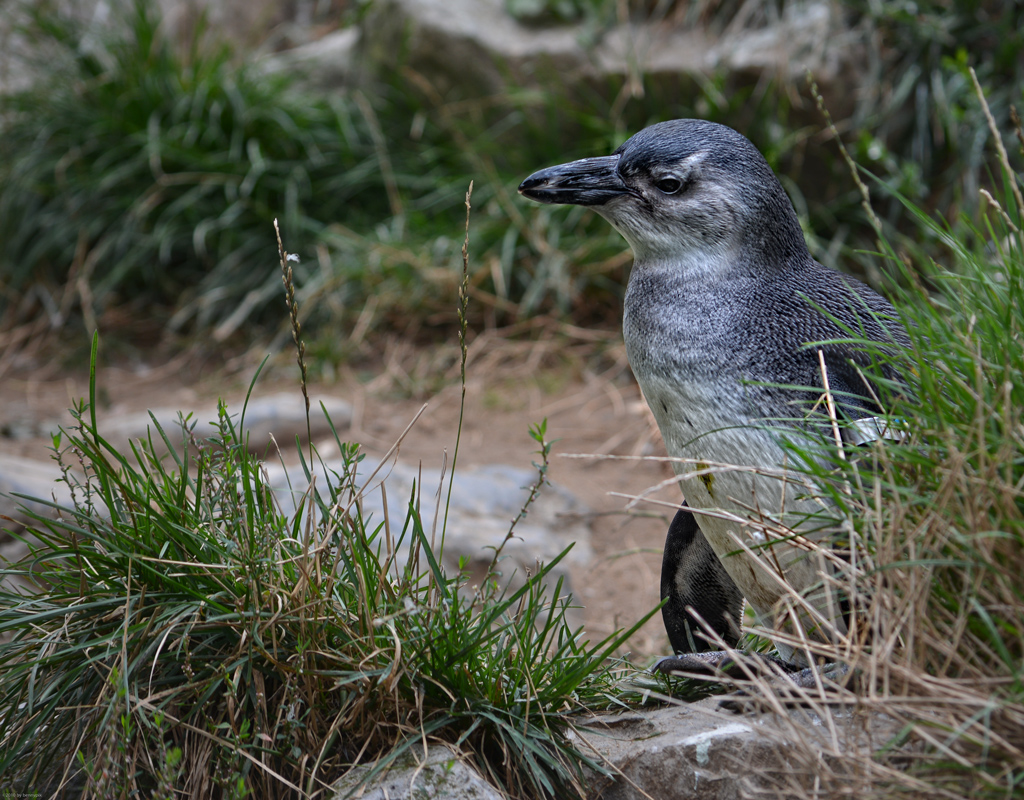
139,176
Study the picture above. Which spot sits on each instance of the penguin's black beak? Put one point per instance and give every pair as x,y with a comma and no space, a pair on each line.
587,182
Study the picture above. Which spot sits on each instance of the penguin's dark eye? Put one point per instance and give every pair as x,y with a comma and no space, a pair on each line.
669,185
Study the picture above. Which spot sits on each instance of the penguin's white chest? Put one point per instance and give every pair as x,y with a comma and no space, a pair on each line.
706,424
737,473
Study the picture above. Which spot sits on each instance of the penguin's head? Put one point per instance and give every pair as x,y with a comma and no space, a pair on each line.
686,191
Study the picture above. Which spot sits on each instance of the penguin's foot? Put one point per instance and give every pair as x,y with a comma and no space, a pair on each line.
789,682
719,664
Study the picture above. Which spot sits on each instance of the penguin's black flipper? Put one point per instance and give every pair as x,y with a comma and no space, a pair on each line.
692,576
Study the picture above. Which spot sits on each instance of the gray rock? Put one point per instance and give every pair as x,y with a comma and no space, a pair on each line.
464,45
700,752
476,48
693,751
325,63
484,501
444,774
33,478
282,416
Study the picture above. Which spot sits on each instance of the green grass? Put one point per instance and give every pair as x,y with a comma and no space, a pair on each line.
937,523
180,630
150,173
955,499
173,630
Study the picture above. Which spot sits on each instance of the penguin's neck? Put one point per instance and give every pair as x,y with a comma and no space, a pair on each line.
675,316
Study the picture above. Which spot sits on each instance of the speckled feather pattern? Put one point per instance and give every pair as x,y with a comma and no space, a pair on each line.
723,304
734,308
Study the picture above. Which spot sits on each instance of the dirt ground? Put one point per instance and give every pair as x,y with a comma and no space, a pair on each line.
592,406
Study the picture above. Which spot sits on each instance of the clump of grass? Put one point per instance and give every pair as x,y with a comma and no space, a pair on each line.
178,632
947,512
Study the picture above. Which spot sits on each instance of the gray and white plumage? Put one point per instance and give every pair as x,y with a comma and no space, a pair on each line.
723,304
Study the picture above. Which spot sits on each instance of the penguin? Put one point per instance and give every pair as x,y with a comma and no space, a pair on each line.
732,330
